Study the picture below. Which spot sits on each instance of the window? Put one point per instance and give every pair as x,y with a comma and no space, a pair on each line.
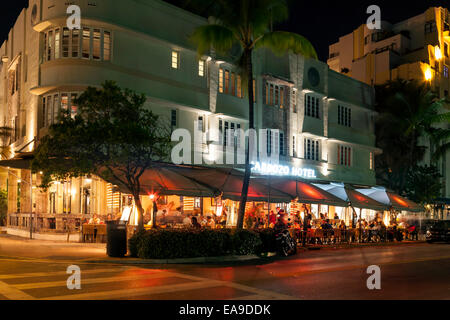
227,81
294,101
344,116
96,47
294,147
269,141
282,150
274,95
371,166
445,71
312,106
86,53
65,43
53,104
75,43
57,43
430,27
201,68
239,86
233,83
175,59
106,46
225,136
446,49
173,118
50,46
221,80
221,131
238,136
311,149
344,156
200,123
254,90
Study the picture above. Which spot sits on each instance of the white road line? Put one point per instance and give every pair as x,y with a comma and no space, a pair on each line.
58,273
128,293
63,283
12,293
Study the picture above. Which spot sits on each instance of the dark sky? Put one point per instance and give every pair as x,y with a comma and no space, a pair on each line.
320,21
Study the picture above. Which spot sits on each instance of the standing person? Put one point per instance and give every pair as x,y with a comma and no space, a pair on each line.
272,218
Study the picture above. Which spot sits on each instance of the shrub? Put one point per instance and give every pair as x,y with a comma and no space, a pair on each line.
268,240
189,243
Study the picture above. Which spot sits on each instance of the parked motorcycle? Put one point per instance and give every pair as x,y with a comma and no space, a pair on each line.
286,245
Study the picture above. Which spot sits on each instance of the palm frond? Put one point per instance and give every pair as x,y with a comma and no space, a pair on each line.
281,42
213,36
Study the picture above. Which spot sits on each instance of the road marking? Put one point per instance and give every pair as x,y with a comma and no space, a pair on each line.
128,293
40,285
13,293
57,273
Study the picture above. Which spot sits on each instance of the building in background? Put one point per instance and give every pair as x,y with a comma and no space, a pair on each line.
325,119
414,49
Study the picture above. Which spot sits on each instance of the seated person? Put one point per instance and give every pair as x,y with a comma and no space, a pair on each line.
94,220
326,225
187,221
280,225
195,223
210,222
342,226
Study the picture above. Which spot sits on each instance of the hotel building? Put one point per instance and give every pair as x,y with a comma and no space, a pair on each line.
414,49
325,119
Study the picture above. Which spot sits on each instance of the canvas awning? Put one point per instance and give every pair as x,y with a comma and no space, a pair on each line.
302,191
391,199
229,182
20,161
352,196
164,180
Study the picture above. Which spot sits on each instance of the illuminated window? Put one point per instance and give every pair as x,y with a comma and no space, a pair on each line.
201,68
175,59
344,156
75,43
57,43
200,123
294,101
371,161
233,83
86,53
96,47
221,80
281,144
50,46
106,46
65,43
445,71
239,86
227,81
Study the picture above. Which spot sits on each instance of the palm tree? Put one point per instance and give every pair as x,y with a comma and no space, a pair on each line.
408,111
247,25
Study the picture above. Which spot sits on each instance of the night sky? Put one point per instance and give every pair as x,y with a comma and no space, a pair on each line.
322,22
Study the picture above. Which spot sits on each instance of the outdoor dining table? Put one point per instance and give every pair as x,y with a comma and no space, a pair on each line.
94,232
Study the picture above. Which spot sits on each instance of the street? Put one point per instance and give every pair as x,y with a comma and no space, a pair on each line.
409,271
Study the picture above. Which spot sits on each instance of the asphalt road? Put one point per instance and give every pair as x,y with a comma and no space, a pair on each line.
416,271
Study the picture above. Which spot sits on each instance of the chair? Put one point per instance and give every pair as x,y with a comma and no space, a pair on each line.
319,236
337,235
88,232
101,233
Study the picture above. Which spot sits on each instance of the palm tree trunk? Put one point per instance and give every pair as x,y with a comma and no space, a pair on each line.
246,182
138,204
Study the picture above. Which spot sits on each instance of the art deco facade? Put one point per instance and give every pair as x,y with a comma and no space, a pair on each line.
414,49
326,120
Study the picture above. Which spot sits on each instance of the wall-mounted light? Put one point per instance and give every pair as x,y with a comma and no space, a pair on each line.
428,74
437,53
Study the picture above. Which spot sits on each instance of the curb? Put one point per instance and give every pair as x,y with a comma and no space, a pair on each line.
199,260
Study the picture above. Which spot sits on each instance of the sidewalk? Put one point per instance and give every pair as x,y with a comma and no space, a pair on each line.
17,247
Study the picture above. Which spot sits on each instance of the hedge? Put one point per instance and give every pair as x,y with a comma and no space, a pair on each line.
190,243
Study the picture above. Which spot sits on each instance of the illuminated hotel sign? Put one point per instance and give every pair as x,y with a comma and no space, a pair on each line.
279,170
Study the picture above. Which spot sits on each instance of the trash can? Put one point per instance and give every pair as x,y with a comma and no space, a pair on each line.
116,245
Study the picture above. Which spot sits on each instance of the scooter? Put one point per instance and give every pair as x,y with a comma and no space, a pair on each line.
286,245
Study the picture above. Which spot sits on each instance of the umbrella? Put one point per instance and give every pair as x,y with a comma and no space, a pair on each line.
391,199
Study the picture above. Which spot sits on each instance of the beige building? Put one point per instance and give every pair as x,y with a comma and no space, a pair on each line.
417,48
325,119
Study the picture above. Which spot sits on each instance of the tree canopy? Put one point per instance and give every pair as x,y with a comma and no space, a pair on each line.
113,135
